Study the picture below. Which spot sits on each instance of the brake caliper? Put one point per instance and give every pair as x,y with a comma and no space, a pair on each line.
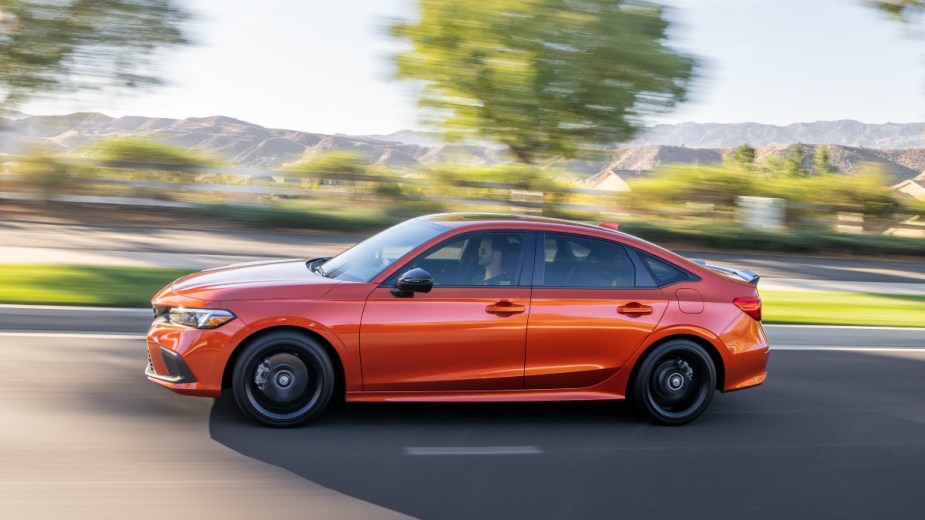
686,368
262,375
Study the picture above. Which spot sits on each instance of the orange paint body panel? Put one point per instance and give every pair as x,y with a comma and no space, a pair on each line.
579,338
444,341
516,341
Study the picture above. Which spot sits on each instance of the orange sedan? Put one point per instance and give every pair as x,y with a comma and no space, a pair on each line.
464,307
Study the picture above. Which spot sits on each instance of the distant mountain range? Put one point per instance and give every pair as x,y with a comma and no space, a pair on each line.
729,135
898,147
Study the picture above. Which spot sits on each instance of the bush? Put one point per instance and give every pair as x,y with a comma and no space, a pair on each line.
43,173
148,152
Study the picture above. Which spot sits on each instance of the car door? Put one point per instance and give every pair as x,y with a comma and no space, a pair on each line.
460,336
589,311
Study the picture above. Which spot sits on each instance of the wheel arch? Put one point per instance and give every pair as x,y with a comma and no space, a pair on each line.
706,344
339,383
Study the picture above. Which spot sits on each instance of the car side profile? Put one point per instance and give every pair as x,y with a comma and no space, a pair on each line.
464,307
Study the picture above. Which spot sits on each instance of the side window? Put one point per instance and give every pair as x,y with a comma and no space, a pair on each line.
587,262
663,272
490,258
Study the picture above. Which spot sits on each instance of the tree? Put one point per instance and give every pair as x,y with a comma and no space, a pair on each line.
49,46
544,77
900,8
794,162
744,154
822,163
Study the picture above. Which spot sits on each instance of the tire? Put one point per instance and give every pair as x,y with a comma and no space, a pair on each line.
283,379
674,383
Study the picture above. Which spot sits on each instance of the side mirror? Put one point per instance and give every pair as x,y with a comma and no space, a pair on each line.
415,280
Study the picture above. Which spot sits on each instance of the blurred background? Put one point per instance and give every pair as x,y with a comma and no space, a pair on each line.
566,109
141,140
720,125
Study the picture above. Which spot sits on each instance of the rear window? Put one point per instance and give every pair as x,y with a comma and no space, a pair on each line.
662,272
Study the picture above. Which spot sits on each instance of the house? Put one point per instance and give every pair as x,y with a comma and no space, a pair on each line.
914,188
607,180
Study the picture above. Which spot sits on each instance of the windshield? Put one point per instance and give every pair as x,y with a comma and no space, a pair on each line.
364,261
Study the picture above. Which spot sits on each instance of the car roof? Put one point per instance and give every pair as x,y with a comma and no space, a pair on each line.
533,222
459,220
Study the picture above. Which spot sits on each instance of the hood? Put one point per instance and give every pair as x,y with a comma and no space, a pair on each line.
255,280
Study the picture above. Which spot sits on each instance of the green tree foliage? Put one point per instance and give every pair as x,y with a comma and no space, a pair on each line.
48,46
544,77
794,163
822,162
336,163
744,154
900,9
43,172
865,191
147,152
679,184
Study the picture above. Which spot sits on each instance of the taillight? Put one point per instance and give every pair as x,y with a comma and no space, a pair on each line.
750,306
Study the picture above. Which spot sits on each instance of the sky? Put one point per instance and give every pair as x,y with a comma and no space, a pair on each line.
325,66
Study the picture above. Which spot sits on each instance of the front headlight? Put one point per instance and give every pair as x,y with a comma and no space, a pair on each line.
199,318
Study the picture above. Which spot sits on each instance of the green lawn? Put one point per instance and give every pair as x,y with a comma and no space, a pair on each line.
134,287
83,285
810,307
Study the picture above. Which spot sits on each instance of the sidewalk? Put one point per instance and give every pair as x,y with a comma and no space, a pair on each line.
793,284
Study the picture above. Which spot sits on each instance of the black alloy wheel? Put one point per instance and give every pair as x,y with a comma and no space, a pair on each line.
283,379
675,383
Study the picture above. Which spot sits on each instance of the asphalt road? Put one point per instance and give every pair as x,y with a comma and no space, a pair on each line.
54,319
832,434
838,431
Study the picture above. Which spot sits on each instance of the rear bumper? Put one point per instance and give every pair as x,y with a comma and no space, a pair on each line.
746,355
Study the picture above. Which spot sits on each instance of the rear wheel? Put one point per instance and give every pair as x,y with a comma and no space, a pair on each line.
675,383
283,379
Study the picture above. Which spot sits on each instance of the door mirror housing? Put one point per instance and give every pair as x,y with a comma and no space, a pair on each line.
415,280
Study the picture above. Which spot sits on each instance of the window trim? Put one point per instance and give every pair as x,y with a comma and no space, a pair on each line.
688,276
526,273
540,265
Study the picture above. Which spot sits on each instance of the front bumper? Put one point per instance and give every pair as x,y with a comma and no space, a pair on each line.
174,370
189,361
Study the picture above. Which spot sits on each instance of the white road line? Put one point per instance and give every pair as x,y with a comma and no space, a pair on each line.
473,450
146,310
70,335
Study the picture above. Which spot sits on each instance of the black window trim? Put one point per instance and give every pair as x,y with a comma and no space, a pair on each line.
688,276
540,264
645,280
526,273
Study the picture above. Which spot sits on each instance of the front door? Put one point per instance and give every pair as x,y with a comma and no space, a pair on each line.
467,334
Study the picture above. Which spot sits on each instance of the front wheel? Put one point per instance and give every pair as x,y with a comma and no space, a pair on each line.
675,383
283,379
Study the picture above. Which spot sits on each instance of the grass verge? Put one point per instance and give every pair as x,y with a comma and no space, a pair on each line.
134,287
83,285
835,308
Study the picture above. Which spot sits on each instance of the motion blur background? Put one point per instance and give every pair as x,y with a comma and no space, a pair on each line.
543,107
141,140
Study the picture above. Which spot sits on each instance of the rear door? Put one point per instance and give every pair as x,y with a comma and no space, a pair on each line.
589,311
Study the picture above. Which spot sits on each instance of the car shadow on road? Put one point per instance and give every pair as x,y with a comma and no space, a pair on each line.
829,434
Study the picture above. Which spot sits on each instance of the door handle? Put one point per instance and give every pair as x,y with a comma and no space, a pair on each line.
634,309
504,307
